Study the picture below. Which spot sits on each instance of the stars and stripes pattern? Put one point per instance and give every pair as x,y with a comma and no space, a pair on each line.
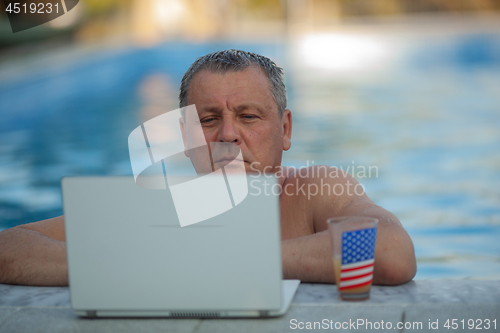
358,248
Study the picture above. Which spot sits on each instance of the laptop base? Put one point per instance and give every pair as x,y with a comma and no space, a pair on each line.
289,287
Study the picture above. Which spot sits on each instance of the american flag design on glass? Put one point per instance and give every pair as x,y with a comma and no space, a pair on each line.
358,249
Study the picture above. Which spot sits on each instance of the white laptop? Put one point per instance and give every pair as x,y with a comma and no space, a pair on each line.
128,255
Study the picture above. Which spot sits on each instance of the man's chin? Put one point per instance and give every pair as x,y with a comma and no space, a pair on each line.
233,166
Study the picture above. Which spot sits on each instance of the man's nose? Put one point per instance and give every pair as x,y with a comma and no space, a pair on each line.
228,131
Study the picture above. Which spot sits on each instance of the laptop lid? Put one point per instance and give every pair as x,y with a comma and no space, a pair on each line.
129,254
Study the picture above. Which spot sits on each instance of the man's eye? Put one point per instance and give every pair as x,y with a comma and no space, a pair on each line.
207,120
249,116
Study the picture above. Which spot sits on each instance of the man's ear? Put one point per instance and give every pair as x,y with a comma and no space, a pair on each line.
286,123
184,136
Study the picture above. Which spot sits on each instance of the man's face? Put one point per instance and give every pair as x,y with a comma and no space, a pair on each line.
238,107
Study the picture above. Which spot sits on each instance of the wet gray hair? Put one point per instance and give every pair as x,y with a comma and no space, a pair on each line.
235,61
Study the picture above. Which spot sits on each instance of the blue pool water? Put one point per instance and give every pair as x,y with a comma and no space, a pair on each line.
429,121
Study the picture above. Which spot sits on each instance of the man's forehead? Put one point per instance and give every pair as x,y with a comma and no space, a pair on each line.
213,83
244,89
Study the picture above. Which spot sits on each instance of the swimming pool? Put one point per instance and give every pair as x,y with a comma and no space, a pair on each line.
428,119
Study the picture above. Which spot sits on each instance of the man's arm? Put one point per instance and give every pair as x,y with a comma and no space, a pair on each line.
34,254
395,261
309,258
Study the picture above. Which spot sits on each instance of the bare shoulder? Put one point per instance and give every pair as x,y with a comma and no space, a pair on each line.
323,191
321,182
53,228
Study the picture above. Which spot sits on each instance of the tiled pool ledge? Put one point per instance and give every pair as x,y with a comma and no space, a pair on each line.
315,306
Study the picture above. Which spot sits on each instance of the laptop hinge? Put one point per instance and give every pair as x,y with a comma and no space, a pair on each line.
264,313
91,314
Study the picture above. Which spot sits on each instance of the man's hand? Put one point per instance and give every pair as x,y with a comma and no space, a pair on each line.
308,258
34,254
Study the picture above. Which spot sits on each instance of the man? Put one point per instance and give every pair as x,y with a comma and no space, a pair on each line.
241,99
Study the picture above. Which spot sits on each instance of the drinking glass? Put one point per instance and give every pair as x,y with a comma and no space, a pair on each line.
353,244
